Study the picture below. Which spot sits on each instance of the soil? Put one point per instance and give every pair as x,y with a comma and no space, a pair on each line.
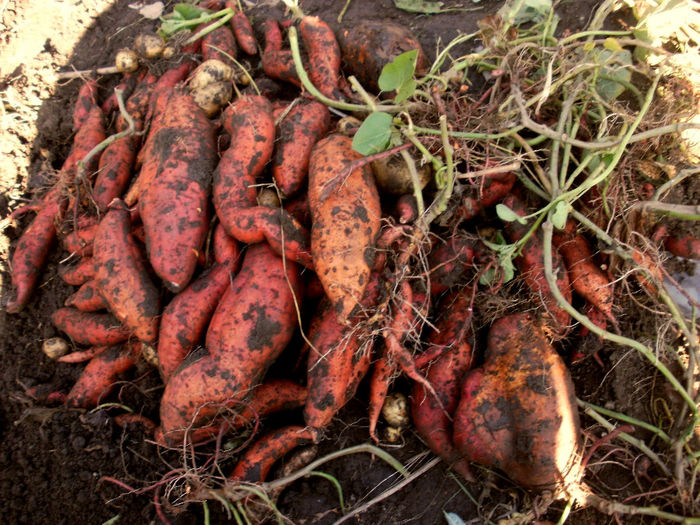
56,465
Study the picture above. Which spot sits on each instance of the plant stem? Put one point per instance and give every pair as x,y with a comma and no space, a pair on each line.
225,14
627,419
679,211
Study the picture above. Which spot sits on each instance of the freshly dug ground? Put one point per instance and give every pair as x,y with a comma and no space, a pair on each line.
53,460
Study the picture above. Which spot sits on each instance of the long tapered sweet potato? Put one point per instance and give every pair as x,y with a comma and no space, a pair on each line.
252,324
174,204
300,129
226,250
486,193
518,412
33,247
683,246
324,54
87,98
332,364
87,328
242,29
220,45
79,273
433,421
186,317
277,63
122,278
346,213
586,278
257,461
531,266
87,298
251,126
101,373
114,171
90,134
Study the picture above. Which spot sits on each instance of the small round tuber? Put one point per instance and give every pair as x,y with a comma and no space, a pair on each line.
55,347
394,176
268,197
148,45
126,60
395,410
212,97
209,72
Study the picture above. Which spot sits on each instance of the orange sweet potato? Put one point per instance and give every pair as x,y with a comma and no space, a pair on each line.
324,54
277,63
242,29
518,412
220,45
80,273
87,298
345,211
87,98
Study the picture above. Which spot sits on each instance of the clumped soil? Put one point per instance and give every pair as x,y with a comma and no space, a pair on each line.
55,463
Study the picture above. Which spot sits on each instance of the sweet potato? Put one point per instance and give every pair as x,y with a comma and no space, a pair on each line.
485,193
226,250
257,461
687,246
80,273
79,242
88,328
33,247
531,266
242,29
90,134
275,395
586,278
87,98
332,362
250,124
81,356
221,45
433,421
368,46
101,373
518,412
324,54
277,63
186,317
448,262
300,129
346,214
174,204
87,298
252,324
122,278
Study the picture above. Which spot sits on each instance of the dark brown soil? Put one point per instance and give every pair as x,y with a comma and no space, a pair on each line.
53,461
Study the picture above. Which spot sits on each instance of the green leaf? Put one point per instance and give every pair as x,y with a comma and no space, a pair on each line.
612,44
507,215
487,277
405,91
559,215
615,71
188,11
419,6
397,72
374,134
518,12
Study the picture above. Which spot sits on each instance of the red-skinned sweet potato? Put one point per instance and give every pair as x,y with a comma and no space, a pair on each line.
87,98
220,45
531,266
174,204
250,124
252,324
88,328
87,298
257,461
346,214
433,421
486,192
448,262
683,246
300,129
242,29
324,54
518,411
101,373
33,247
80,273
277,63
122,278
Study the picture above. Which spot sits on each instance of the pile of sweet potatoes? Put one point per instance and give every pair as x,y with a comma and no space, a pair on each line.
175,257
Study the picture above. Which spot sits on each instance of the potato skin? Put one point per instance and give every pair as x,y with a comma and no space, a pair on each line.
345,222
252,324
518,411
87,298
324,54
122,278
90,328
